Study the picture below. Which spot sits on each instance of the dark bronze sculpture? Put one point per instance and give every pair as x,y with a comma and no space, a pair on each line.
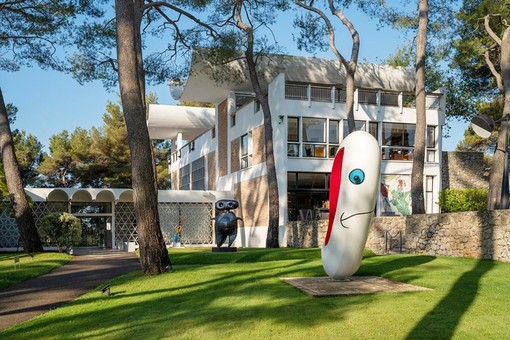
226,221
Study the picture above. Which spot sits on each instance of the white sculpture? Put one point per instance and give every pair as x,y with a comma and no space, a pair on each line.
352,197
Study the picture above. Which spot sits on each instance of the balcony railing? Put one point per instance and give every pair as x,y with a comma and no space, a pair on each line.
321,93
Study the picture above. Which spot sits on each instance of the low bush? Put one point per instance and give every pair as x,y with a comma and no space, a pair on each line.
61,229
457,200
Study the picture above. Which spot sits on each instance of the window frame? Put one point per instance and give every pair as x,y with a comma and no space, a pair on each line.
246,157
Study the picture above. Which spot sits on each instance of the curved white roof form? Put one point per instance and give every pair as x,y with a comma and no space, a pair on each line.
211,83
166,121
79,194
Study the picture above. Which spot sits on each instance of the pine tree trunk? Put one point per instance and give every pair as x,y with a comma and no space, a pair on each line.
417,197
272,179
28,231
153,254
498,160
349,99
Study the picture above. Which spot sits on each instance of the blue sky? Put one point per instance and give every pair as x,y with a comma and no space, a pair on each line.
50,101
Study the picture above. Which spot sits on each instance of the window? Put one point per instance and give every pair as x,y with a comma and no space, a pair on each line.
198,174
398,141
246,152
293,137
333,137
307,195
362,125
314,132
192,176
184,178
312,137
431,144
232,119
429,194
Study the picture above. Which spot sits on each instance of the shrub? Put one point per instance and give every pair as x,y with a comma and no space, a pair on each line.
62,229
456,200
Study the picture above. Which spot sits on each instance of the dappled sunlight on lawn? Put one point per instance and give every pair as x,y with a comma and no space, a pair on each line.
242,296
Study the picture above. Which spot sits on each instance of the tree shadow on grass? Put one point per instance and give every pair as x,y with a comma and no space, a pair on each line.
443,319
223,301
381,268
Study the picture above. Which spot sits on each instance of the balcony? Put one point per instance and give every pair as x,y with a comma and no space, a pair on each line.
330,94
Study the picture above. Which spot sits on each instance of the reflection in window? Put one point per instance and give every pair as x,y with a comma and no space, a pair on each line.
431,143
398,141
319,137
246,153
293,129
361,125
307,196
198,174
184,178
314,130
398,134
91,208
314,150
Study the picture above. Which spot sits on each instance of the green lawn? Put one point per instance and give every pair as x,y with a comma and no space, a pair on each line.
28,266
241,296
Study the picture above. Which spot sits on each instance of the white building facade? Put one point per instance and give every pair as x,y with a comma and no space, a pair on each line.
307,101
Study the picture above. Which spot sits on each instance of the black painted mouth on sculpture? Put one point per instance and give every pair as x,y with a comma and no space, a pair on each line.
342,219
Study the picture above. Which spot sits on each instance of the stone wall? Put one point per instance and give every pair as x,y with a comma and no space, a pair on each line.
480,235
464,170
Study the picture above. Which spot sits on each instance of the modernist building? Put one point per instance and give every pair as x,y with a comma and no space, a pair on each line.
307,101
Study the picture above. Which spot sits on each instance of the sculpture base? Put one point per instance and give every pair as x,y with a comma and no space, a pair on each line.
224,249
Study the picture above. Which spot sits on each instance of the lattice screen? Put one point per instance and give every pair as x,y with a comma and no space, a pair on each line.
197,227
9,233
125,223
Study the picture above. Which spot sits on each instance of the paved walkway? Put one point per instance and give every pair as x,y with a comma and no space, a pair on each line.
89,268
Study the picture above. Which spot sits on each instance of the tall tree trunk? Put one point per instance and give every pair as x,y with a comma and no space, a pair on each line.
498,160
417,197
153,254
272,179
28,231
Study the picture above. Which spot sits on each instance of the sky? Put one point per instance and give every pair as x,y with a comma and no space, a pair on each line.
50,101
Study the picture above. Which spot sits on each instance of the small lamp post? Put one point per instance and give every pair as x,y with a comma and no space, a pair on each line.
483,126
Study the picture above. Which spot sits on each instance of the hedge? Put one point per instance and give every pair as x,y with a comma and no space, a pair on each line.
456,200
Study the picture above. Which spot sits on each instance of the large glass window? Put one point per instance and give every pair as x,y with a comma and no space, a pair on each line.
246,153
192,176
312,137
308,196
314,132
361,125
91,208
398,141
198,174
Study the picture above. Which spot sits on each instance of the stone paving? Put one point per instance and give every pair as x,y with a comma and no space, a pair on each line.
355,285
